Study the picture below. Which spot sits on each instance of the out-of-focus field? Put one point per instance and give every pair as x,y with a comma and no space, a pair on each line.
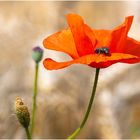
64,94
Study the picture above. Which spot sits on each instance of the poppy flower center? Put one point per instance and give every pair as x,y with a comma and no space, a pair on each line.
103,50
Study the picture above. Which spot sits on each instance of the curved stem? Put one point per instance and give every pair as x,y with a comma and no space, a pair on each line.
27,133
76,132
34,99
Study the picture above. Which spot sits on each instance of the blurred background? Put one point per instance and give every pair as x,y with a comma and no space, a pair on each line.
64,94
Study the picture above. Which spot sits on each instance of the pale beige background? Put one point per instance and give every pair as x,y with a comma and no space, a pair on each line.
64,94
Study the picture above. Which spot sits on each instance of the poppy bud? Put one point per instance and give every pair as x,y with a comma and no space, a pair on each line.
22,112
37,54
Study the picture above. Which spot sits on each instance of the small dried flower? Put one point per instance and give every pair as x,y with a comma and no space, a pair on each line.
37,54
22,112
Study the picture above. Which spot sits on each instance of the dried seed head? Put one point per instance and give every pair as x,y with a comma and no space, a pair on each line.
22,112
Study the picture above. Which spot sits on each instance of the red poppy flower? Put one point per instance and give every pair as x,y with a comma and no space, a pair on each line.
95,48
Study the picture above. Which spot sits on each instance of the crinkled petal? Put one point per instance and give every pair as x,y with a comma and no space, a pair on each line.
119,35
82,34
103,37
132,47
97,61
62,41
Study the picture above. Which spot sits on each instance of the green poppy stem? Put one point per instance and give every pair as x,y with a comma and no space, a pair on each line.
34,99
77,131
28,133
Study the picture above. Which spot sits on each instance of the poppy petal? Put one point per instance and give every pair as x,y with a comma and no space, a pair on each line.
132,47
82,35
103,37
62,41
119,35
98,61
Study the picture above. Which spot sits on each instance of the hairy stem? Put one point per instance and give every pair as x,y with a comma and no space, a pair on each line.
27,133
34,99
77,131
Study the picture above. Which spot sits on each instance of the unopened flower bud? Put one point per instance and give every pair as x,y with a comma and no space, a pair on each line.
22,112
37,54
